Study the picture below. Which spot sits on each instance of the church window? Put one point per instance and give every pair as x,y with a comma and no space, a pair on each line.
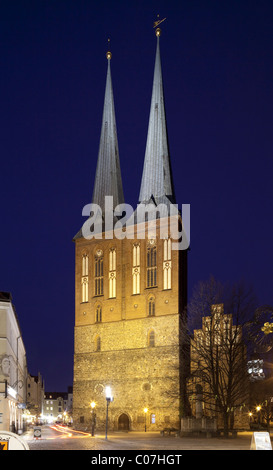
98,313
112,273
151,306
99,273
136,268
167,264
151,266
84,279
151,338
98,343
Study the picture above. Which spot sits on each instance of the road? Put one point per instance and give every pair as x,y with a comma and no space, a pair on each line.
64,438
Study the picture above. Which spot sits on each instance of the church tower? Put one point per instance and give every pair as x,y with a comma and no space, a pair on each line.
131,290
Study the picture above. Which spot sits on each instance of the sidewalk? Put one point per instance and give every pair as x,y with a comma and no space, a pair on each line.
141,441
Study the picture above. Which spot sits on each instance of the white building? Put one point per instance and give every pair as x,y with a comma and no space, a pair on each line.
13,368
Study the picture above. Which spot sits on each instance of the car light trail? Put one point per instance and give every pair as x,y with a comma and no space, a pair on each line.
68,433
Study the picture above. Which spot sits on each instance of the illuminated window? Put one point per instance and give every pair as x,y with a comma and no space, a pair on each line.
99,273
136,269
167,264
112,273
84,279
151,266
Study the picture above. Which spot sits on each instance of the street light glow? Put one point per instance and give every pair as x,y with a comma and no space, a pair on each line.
108,392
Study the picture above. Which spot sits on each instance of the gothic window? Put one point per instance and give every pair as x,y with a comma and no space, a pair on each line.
112,273
167,264
98,313
151,266
99,273
151,338
136,268
151,306
84,279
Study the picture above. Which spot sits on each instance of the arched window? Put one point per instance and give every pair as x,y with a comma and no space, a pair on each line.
151,306
151,266
151,338
112,273
136,268
98,273
167,264
84,279
98,313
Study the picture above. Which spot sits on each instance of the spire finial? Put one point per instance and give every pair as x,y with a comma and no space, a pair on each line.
108,53
156,23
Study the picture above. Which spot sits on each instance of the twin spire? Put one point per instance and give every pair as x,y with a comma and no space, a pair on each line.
108,175
156,184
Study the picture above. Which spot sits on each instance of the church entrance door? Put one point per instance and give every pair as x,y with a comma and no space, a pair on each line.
123,422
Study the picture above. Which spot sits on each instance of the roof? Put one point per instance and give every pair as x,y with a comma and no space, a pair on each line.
157,181
108,180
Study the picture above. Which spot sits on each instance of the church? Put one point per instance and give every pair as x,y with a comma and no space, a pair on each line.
131,290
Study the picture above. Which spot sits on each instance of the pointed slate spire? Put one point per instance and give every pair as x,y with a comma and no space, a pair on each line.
108,180
108,175
157,184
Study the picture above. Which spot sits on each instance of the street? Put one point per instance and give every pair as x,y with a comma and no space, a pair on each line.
58,437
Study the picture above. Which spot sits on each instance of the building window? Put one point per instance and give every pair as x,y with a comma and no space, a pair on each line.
98,343
151,266
167,264
151,306
99,273
84,278
136,268
112,273
98,313
151,338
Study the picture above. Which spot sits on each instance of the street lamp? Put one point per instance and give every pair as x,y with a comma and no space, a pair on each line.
145,413
258,409
93,417
109,398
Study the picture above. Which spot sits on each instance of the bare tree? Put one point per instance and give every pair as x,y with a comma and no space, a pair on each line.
219,347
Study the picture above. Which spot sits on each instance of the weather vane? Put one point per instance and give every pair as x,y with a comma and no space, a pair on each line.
108,53
156,24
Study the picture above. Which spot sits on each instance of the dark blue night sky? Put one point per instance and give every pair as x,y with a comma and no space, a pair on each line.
217,61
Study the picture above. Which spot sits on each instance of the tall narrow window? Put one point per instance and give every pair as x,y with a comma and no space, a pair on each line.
151,306
151,338
136,268
99,273
84,279
112,273
98,313
167,264
151,266
98,343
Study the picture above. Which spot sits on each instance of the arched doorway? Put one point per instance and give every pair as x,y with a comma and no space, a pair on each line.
123,422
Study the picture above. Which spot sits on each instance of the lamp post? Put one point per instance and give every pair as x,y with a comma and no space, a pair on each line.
109,398
93,417
258,409
145,413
